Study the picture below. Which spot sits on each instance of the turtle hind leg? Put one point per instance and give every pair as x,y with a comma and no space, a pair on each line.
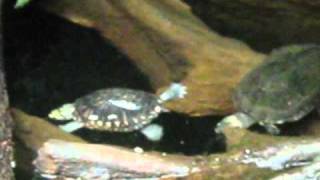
271,129
237,120
153,132
71,126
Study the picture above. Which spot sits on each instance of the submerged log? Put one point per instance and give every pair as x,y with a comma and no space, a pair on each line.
168,43
6,156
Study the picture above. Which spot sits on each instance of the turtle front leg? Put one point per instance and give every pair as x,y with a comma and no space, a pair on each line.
271,129
237,120
71,126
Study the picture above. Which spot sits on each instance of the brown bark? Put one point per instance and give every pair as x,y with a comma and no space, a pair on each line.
168,43
34,131
31,132
63,159
246,152
6,156
103,162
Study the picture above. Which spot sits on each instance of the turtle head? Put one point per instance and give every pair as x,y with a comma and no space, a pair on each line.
175,91
65,112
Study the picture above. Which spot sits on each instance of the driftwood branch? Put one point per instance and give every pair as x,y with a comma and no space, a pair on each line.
66,159
30,130
91,161
168,43
34,131
249,154
308,172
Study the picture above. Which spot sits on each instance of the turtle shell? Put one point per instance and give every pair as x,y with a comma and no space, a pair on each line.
283,88
117,109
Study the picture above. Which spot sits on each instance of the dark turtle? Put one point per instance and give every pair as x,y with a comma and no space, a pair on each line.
116,109
282,89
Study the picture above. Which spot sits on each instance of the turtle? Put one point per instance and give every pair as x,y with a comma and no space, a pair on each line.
118,110
284,88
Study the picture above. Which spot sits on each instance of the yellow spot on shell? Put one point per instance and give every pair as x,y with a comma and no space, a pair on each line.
117,123
125,122
108,124
135,120
100,123
93,117
157,109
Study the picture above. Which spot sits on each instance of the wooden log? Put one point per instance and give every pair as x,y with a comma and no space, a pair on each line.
31,132
61,159
34,131
249,155
168,43
92,161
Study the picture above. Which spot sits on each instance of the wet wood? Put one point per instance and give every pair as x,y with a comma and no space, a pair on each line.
168,43
249,155
247,152
34,131
92,161
31,132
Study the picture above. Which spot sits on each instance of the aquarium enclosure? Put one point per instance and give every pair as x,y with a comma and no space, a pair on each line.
159,89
